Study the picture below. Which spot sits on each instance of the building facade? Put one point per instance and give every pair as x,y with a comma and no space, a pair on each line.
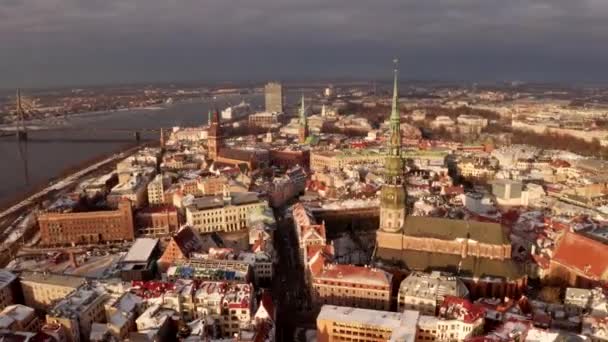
157,221
40,290
87,227
263,119
229,213
214,137
340,323
337,160
8,288
156,191
303,129
424,292
356,286
273,96
77,312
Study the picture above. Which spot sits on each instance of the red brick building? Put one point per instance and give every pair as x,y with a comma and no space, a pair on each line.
157,221
87,227
289,158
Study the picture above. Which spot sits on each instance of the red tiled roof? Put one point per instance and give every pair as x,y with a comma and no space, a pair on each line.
318,228
355,274
453,190
582,254
316,264
312,250
461,309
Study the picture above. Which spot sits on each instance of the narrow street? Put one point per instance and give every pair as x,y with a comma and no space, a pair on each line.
289,284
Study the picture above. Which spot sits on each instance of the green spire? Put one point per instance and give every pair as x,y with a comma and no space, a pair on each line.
394,145
395,107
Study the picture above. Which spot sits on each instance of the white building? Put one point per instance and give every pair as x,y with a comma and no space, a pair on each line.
425,291
228,305
156,191
236,112
442,121
78,311
228,213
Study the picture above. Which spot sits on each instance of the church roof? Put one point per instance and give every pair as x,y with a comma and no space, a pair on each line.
582,254
448,229
452,263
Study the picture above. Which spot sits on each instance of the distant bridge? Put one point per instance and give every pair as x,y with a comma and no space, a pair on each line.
92,135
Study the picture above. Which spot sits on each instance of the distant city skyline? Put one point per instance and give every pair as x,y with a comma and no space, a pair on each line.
84,42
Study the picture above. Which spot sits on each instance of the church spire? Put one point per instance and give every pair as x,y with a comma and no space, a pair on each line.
394,147
393,195
395,106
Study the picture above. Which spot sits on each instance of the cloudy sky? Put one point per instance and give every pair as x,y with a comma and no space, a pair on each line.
59,42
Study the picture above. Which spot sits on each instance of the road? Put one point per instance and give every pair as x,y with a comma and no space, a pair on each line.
289,285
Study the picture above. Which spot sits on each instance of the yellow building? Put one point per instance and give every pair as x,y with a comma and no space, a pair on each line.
337,160
156,191
228,213
341,323
40,290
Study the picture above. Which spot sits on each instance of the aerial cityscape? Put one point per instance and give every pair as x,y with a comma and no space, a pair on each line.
298,200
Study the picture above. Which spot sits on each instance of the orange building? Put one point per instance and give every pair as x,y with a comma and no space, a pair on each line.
87,227
181,246
356,286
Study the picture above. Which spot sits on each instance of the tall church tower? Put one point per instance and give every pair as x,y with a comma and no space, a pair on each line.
303,130
214,136
393,194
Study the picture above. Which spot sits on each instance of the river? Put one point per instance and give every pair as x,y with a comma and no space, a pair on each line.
45,160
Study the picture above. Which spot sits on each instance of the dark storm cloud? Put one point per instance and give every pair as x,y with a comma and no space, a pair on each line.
93,41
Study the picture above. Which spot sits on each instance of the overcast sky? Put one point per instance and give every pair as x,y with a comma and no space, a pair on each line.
58,42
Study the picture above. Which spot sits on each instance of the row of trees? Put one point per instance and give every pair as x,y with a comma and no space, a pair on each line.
556,141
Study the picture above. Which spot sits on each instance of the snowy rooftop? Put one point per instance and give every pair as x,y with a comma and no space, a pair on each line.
402,324
76,302
6,278
431,285
141,250
18,312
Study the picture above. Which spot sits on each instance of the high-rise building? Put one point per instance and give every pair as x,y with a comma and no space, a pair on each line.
303,129
214,135
393,194
274,97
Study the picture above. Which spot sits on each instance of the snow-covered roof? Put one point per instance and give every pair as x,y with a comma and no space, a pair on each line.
141,250
402,324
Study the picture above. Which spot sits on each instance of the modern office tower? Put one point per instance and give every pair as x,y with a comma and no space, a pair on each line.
274,97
